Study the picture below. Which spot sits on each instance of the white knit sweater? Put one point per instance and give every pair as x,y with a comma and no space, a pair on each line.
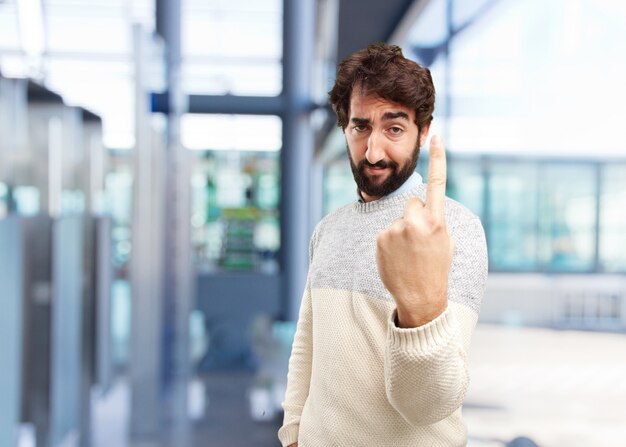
355,378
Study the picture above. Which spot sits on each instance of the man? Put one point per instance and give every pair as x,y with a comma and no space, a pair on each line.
395,279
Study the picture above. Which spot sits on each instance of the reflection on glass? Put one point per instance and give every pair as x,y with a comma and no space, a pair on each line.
613,219
512,216
339,186
27,200
466,184
235,217
567,216
72,201
231,132
4,200
245,78
119,193
218,57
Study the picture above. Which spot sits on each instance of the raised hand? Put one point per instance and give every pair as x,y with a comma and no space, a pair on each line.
414,254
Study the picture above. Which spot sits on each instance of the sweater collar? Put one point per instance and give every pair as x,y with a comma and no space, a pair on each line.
410,188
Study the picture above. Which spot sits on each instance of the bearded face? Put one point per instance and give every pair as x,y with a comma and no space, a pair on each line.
380,185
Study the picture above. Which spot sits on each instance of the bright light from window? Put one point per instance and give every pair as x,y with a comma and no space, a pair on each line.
232,47
535,78
31,21
231,132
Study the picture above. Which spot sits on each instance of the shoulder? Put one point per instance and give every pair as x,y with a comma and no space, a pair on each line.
466,229
339,215
458,215
332,220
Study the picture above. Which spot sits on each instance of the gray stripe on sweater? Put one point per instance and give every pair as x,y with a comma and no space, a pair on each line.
343,249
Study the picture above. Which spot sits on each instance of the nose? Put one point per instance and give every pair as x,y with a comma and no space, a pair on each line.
375,150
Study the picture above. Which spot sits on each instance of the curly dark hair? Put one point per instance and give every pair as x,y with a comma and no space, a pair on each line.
382,70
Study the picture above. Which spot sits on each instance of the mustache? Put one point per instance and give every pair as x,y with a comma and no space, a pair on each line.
379,164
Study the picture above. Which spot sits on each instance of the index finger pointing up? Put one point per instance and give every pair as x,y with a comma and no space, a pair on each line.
436,189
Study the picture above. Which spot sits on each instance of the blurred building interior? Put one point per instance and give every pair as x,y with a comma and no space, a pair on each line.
163,164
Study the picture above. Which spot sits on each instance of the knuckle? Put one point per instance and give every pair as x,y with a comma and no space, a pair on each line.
436,223
437,179
415,202
382,237
413,206
412,234
393,233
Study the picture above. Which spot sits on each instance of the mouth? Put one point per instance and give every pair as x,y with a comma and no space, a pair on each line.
375,170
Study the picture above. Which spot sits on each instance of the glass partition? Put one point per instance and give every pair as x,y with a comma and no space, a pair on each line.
612,238
466,184
235,190
339,186
218,57
512,217
235,211
4,200
567,217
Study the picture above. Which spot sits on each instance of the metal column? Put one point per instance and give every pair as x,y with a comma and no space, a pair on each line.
297,151
11,278
145,361
178,271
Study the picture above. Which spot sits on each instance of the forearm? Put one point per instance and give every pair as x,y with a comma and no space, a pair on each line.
426,373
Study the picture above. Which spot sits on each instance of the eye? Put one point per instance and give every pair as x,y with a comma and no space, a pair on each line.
395,130
360,128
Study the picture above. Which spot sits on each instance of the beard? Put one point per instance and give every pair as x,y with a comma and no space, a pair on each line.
397,176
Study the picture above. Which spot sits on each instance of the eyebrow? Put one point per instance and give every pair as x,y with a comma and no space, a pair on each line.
394,115
386,117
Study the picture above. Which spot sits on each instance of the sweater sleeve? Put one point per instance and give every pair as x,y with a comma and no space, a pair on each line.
426,369
299,376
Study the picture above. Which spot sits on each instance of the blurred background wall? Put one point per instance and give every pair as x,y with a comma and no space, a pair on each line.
163,163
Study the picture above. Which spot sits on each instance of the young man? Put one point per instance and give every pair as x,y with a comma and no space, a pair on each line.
395,279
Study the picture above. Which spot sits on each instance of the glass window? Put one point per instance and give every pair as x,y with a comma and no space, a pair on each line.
431,28
512,216
232,47
19,199
613,219
231,132
235,190
567,217
517,71
4,200
88,57
113,99
245,77
339,186
64,26
235,210
119,198
466,183
9,31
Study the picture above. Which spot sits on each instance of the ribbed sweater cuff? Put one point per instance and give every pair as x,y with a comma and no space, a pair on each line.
422,338
288,435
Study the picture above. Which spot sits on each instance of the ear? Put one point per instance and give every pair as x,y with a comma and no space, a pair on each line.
424,134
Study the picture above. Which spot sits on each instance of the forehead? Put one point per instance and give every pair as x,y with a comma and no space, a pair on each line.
366,106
